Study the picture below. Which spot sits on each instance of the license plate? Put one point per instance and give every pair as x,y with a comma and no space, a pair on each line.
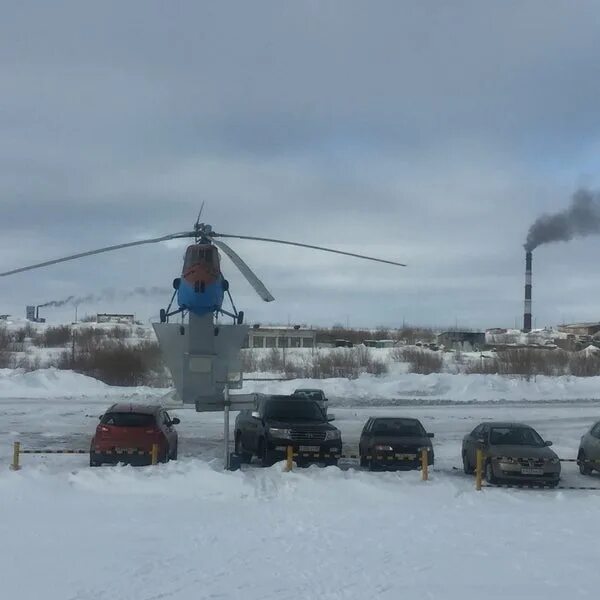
124,450
309,448
527,471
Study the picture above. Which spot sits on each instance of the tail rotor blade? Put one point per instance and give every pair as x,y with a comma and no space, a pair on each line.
287,243
164,238
245,270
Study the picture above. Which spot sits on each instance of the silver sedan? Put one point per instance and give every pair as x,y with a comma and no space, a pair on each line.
588,456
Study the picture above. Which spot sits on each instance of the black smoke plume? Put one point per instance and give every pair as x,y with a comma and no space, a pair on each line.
580,219
109,295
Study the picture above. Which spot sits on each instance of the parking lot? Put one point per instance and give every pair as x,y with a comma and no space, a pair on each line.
198,531
69,424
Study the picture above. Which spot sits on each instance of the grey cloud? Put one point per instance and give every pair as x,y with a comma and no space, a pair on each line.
431,133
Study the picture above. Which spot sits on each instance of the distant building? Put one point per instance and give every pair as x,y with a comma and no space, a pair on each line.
379,343
117,318
4,317
32,313
462,340
580,328
280,337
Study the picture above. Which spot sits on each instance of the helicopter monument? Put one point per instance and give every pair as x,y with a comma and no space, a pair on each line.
201,352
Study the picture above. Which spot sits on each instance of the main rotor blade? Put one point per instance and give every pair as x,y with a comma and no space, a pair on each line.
253,280
261,239
164,238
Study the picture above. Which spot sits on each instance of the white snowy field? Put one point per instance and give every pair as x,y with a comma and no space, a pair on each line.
189,530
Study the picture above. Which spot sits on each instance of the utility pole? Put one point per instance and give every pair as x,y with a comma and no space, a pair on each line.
72,344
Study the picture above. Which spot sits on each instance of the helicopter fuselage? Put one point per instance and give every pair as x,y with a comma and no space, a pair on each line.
202,286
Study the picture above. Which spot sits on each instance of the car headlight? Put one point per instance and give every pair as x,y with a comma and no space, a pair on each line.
383,448
554,461
280,433
332,435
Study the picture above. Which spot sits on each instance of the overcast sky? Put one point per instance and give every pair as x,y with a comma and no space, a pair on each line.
433,133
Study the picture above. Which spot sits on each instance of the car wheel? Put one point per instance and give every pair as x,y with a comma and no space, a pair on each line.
489,473
245,457
363,462
467,468
266,457
174,453
94,462
584,467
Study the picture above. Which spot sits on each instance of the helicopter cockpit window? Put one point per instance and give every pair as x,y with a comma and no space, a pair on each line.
201,254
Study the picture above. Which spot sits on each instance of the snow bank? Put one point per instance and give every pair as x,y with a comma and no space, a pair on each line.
438,387
54,383
393,388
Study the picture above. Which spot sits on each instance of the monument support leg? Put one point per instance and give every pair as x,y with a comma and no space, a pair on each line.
226,426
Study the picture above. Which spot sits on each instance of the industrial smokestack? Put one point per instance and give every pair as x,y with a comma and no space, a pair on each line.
527,312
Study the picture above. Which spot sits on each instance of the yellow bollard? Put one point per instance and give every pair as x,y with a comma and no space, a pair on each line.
424,464
154,454
16,451
479,469
289,458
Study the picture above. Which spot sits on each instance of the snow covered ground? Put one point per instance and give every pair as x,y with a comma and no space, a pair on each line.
188,530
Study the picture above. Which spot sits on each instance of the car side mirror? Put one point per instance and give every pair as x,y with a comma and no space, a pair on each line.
100,417
548,443
175,421
431,435
480,440
331,418
255,414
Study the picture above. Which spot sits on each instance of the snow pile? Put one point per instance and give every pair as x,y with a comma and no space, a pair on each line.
591,351
396,387
187,530
53,383
437,387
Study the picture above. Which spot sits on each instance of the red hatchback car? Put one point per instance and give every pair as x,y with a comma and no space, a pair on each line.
126,433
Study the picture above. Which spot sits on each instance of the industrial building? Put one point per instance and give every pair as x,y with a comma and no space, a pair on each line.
462,340
379,343
281,337
117,318
590,329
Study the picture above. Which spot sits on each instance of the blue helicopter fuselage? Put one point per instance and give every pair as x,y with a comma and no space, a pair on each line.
202,286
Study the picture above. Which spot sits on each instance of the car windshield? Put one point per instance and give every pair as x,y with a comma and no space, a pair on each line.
398,427
128,419
515,436
293,409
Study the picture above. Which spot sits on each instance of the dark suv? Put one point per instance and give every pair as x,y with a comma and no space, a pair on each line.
281,421
313,394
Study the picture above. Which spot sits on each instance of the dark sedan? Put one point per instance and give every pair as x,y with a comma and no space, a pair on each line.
513,452
394,443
